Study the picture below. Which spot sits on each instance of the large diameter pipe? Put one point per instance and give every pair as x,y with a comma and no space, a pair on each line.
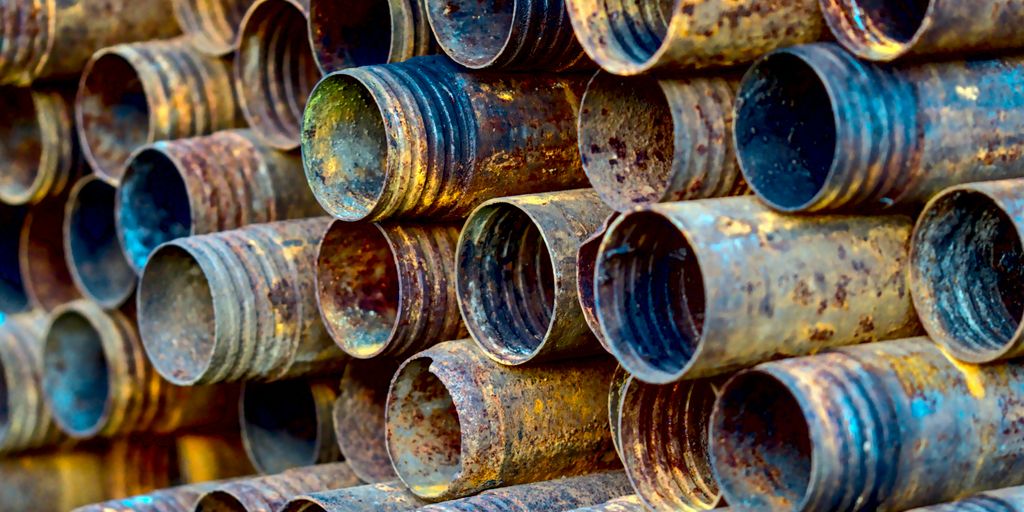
38,144
817,129
353,33
699,288
359,418
13,296
559,494
41,256
289,424
458,424
25,418
863,428
270,493
425,138
211,25
1010,499
94,255
390,496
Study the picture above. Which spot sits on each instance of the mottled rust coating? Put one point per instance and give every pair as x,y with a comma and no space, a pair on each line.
352,33
516,275
174,499
44,266
203,457
817,130
1010,499
236,305
630,503
275,70
288,424
560,494
97,263
359,418
13,297
586,261
270,493
630,37
211,25
201,185
425,138
388,289
619,380
131,95
889,426
51,40
647,141
699,288
383,497
458,424
25,417
38,145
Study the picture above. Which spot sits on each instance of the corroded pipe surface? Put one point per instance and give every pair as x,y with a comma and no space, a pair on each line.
646,141
270,493
630,503
211,25
359,418
816,129
699,288
586,262
458,424
44,265
38,144
13,296
1010,499
53,481
131,95
383,497
94,256
236,305
388,289
25,417
875,419
425,138
201,185
352,33
560,494
288,424
629,37
620,378
516,275
203,457
174,499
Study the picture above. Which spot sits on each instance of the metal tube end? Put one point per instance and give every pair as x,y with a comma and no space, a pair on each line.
288,424
153,205
91,244
879,30
356,33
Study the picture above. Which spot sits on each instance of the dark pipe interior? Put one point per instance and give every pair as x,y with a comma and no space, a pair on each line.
13,297
896,20
154,205
75,373
20,141
475,30
350,34
114,114
637,27
220,501
281,425
96,252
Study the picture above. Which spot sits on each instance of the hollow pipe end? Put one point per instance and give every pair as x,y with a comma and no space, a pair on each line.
877,31
92,247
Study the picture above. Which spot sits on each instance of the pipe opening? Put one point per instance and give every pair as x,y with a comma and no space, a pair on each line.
424,436
13,296
219,501
650,296
21,146
280,425
97,261
75,374
879,27
303,505
472,32
211,24
154,206
113,114
785,132
44,265
632,31
345,147
350,34
359,419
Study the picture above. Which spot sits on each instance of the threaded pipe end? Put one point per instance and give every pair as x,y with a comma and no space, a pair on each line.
26,28
211,25
877,30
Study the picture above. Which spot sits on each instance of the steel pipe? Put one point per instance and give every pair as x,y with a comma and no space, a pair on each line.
25,418
41,258
94,255
586,263
271,493
359,418
38,145
208,456
288,424
560,494
211,25
172,499
13,296
383,497
353,33
630,503
1010,499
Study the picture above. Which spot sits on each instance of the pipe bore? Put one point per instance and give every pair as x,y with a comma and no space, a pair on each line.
877,29
288,424
13,296
76,376
359,418
219,501
363,32
112,113
154,207
93,250
43,262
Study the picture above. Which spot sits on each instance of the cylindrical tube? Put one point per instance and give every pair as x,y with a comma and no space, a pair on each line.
388,289
560,494
52,40
630,37
25,417
236,305
13,296
201,185
275,70
353,33
38,144
383,497
94,255
204,457
516,275
817,129
289,424
270,493
699,288
44,265
425,138
458,424
646,141
873,419
620,378
630,503
1010,499
359,418
586,262
211,25
173,499
134,94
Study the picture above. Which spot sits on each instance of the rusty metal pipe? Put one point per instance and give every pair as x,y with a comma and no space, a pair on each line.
425,138
630,503
201,185
619,380
41,257
352,33
383,497
388,290
13,297
647,141
359,418
560,494
458,424
862,428
1010,499
131,95
288,424
25,417
173,499
699,288
236,305
211,25
38,145
516,275
94,255
586,262
270,493
208,456
816,129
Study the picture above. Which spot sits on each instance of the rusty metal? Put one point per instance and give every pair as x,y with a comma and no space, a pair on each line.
383,497
206,184
236,305
1010,499
875,419
516,275
586,262
211,25
387,289
41,258
817,129
289,424
25,417
38,145
352,33
619,380
425,138
13,297
97,263
359,418
630,37
507,34
699,288
458,424
561,494
270,493
630,503
131,95
275,69
208,456
647,141
51,40
174,499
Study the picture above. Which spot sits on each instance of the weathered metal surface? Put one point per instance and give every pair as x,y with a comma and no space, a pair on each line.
561,494
270,493
25,417
425,138
236,305
359,418
383,497
94,256
646,141
174,499
1010,499
889,426
586,262
630,503
619,380
388,289
204,457
53,481
352,33
13,297
507,34
38,145
289,424
516,275
131,95
884,30
275,70
98,383
631,37
699,288
44,266
816,129
458,424
201,185
53,40
211,25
